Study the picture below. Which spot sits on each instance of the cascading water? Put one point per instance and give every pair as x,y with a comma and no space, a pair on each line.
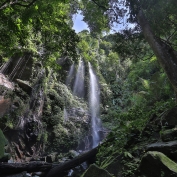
79,81
70,75
65,115
94,103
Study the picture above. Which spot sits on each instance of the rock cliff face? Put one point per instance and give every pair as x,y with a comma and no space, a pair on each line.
5,82
40,116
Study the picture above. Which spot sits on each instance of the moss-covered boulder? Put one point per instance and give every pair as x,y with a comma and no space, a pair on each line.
156,164
169,135
94,171
167,148
24,85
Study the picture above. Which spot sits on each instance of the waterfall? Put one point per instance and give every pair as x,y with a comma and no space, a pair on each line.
4,67
15,69
94,104
79,80
70,76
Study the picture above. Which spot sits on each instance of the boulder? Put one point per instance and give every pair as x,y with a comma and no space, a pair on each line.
5,82
156,164
94,171
168,148
25,86
169,135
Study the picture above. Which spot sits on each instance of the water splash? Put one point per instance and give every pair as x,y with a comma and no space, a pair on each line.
79,81
70,76
94,104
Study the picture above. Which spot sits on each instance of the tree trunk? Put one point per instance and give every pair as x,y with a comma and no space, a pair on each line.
165,54
12,168
56,171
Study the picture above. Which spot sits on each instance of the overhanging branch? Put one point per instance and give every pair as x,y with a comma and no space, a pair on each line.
17,3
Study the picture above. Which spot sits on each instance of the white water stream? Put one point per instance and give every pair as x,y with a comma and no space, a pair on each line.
70,76
94,104
78,89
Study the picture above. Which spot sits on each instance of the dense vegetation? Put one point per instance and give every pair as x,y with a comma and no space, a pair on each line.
136,66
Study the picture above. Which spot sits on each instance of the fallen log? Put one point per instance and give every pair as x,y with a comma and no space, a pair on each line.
58,169
52,170
12,168
36,166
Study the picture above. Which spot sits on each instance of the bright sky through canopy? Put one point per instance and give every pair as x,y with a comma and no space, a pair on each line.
79,25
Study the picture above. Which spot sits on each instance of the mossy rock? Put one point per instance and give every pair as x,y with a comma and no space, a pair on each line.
167,148
169,135
156,164
95,171
25,86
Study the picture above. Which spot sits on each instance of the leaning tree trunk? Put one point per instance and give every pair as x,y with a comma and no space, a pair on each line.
165,54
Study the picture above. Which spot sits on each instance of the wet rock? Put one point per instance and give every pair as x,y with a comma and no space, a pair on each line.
25,86
94,171
52,157
5,82
169,135
156,164
168,148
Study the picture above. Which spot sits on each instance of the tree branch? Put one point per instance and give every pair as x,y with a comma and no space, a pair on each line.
101,6
5,4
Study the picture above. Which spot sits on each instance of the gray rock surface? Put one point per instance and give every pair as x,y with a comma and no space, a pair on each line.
156,164
168,148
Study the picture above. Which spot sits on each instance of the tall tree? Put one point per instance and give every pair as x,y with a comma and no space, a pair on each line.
155,19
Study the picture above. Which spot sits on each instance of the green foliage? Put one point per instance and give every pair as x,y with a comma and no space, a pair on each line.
42,29
130,165
94,16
